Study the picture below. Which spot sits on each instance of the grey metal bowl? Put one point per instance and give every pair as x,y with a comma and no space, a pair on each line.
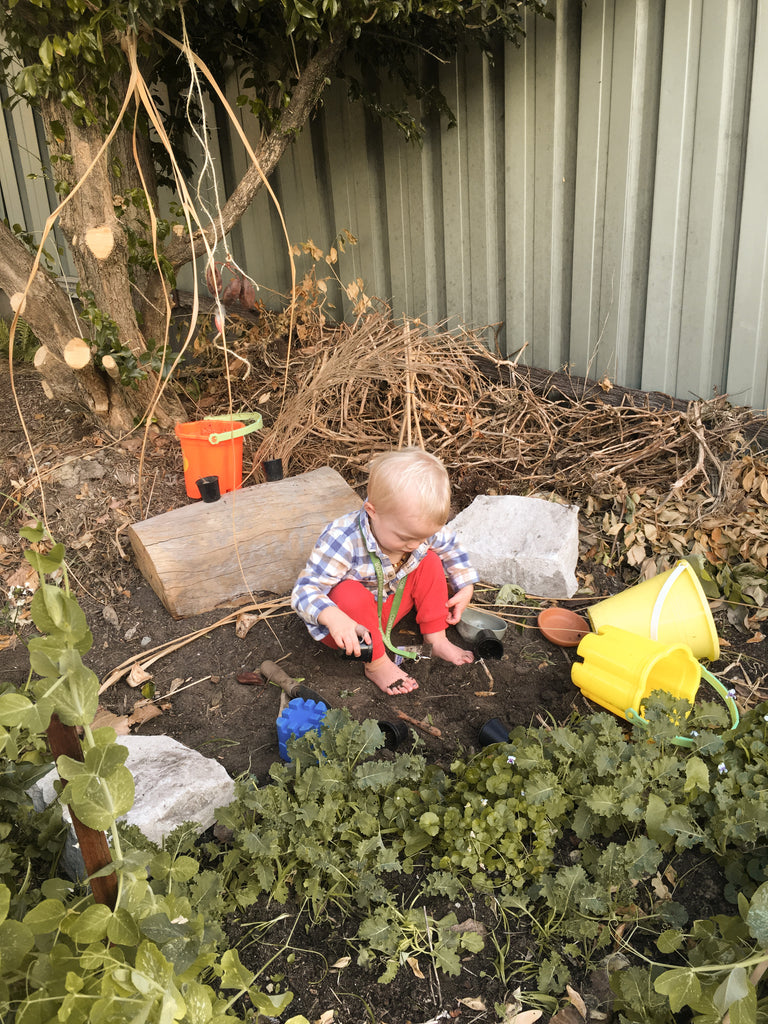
474,621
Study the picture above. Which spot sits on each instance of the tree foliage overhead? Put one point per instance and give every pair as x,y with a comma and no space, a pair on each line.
75,60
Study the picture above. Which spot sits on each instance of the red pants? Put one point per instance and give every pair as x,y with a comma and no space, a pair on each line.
426,590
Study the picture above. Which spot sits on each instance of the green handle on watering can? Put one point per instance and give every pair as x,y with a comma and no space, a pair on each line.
228,435
717,686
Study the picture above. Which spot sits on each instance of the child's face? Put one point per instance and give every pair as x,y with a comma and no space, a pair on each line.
402,528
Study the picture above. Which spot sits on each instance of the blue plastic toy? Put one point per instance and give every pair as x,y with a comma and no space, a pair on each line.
298,717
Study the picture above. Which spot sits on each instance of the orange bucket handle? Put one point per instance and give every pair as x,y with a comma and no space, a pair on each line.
228,435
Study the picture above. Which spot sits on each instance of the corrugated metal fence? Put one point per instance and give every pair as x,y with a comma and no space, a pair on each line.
602,202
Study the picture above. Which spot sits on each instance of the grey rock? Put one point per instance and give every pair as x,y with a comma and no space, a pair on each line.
174,784
530,542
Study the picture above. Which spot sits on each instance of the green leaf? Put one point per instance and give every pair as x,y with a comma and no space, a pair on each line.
183,869
271,1005
305,10
696,775
681,986
670,940
16,940
54,559
77,699
90,926
34,534
45,917
234,975
757,915
14,709
732,989
122,930
45,51
99,801
5,901
199,1003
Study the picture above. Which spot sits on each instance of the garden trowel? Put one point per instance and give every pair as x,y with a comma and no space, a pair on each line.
291,687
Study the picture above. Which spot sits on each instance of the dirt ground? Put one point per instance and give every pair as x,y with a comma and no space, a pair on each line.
92,494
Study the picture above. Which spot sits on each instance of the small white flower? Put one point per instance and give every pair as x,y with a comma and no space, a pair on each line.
731,693
484,803
765,718
511,759
721,768
694,733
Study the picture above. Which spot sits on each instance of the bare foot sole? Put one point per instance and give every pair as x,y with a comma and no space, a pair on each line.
443,648
389,678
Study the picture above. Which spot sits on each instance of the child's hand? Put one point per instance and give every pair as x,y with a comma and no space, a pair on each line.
345,632
458,603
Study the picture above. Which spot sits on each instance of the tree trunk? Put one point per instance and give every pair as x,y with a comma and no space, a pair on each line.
99,247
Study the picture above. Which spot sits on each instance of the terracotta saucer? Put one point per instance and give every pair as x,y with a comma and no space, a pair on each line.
562,627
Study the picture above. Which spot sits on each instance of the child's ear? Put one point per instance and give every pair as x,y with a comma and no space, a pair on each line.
369,509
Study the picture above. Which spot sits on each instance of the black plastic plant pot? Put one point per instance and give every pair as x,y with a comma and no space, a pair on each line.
366,653
488,645
395,733
494,731
273,469
209,488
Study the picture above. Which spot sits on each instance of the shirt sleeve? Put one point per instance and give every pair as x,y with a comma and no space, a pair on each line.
455,559
328,565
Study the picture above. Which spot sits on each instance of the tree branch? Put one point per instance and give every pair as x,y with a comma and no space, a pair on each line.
310,84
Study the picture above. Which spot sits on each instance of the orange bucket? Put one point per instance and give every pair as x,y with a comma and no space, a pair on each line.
214,447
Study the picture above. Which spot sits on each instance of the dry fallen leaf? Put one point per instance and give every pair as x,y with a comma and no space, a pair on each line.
413,963
143,711
473,1003
137,676
756,638
660,889
342,962
577,1001
119,723
514,1016
244,623
326,1017
175,684
110,616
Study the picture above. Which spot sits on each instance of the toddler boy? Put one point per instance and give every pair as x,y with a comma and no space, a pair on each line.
371,567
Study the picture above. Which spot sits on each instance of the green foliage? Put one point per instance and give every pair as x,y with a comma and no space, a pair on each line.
72,50
159,955
25,342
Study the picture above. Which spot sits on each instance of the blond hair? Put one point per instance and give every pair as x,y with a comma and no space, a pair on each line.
414,474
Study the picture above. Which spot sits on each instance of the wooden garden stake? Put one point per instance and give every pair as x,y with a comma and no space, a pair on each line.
63,739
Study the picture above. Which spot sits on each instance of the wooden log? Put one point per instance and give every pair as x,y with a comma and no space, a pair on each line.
77,353
217,554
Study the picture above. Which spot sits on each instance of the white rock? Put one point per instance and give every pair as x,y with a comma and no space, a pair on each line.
173,783
530,542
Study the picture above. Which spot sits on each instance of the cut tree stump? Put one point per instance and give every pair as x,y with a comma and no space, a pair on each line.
208,555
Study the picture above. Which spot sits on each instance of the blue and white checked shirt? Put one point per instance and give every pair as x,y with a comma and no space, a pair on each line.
342,553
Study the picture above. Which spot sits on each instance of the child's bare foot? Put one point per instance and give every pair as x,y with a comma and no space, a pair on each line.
389,677
443,648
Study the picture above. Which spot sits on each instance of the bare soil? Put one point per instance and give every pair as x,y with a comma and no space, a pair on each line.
94,488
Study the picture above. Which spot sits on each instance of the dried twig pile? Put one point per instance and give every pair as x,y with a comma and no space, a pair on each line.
654,482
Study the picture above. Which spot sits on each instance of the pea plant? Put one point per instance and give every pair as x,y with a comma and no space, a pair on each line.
148,947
